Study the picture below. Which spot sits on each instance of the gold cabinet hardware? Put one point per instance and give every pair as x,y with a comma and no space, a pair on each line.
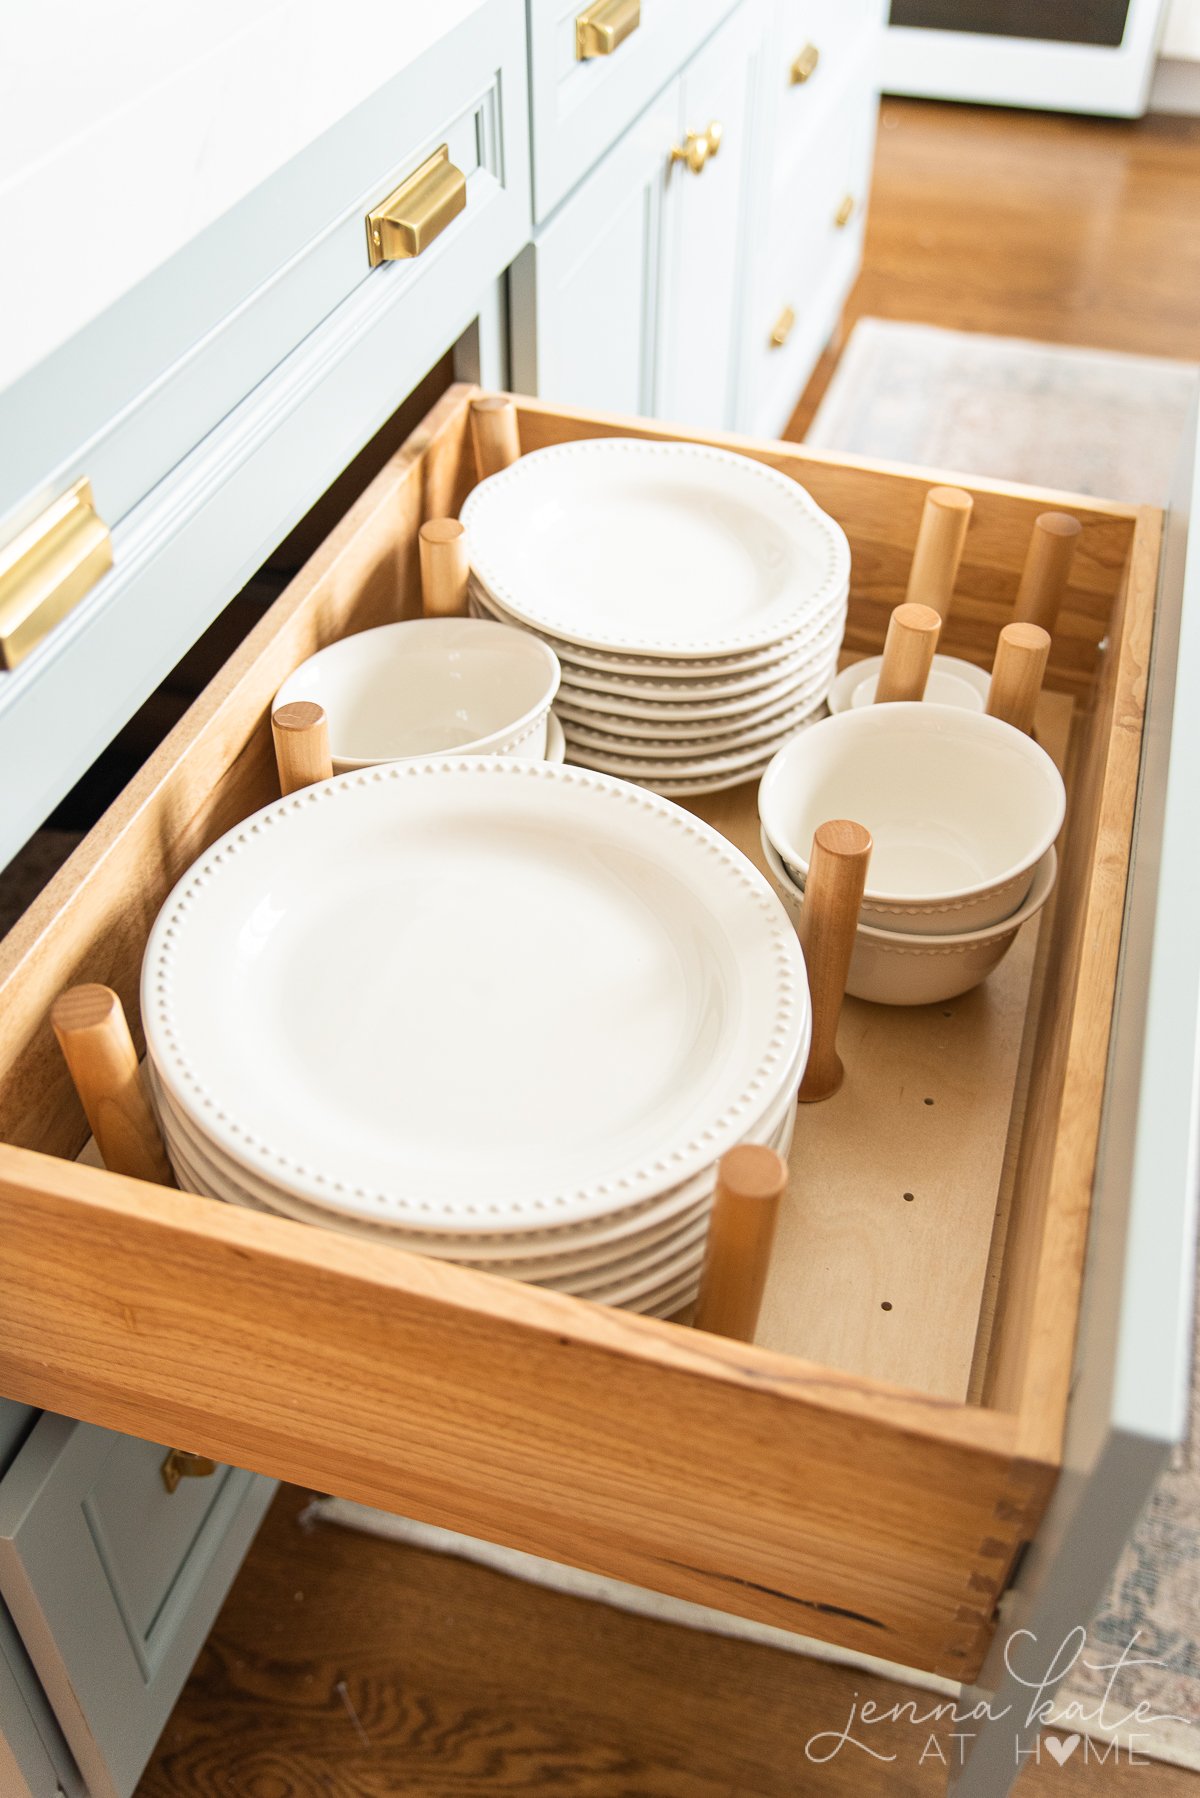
845,211
601,28
417,211
781,330
699,146
47,569
804,66
180,1465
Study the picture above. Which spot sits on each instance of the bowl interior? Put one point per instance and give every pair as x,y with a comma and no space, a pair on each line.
955,801
425,686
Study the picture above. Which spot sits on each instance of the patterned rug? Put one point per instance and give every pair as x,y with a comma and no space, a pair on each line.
1111,426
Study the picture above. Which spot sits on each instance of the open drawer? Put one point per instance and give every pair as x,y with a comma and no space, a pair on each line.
867,1472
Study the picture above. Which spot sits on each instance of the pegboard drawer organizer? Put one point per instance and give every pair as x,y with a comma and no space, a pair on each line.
866,1471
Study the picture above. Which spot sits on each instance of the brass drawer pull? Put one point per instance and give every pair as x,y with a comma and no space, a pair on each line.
699,147
845,211
47,569
417,211
180,1465
805,65
602,28
781,330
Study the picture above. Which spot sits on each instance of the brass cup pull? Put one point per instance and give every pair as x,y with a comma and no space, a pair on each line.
804,66
47,568
845,211
180,1465
698,146
781,330
603,28
406,223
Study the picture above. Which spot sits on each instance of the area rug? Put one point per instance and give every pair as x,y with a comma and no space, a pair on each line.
1087,421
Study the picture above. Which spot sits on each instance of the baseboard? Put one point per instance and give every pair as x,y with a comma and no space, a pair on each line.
1176,86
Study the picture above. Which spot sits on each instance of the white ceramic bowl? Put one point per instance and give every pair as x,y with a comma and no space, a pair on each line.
961,808
892,967
951,682
430,685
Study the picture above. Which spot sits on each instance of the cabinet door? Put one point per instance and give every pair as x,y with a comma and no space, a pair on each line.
113,1582
589,293
706,239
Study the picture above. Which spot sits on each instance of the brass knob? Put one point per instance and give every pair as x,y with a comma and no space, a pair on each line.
698,146
845,211
781,330
180,1465
805,65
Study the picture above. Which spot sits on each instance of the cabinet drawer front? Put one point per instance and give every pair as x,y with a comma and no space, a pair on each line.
812,45
295,422
114,1582
580,107
813,250
126,400
812,1480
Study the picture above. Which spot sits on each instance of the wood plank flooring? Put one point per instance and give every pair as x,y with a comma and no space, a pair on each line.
343,1667
1031,225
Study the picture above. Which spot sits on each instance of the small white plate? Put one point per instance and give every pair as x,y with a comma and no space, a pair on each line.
671,549
951,682
653,769
343,980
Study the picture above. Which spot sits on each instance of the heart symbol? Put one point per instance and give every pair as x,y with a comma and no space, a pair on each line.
1062,1751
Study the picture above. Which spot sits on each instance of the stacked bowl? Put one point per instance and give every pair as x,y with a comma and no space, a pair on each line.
508,1013
695,599
963,812
428,685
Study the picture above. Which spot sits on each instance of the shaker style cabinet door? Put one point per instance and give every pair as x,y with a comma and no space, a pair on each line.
113,1582
707,241
590,294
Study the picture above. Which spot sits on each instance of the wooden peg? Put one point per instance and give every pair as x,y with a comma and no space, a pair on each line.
939,548
442,546
908,651
1017,672
833,892
301,733
1047,568
750,1183
494,434
93,1034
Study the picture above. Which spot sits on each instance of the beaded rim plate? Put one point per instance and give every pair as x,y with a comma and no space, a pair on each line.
667,549
362,993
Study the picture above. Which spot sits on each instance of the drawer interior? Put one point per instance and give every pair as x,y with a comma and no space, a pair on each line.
897,1426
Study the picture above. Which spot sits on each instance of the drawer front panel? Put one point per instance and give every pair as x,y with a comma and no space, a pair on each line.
814,247
813,43
579,107
202,531
127,399
114,1582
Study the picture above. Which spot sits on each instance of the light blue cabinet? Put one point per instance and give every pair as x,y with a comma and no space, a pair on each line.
113,1582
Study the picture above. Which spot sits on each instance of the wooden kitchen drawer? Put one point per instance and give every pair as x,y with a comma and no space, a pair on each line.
184,403
869,1470
580,107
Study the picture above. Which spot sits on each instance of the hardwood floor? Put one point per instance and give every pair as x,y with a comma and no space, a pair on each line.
346,1667
1031,225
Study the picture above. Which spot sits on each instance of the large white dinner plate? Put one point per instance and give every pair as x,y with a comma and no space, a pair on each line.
742,673
676,549
528,1254
592,735
779,697
362,994
656,768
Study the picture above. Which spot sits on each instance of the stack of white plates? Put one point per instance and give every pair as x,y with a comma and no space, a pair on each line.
696,600
508,1013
